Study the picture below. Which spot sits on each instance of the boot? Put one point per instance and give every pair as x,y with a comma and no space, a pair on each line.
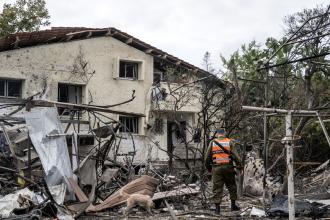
234,207
217,208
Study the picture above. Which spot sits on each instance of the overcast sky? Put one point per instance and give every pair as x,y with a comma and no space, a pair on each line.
184,28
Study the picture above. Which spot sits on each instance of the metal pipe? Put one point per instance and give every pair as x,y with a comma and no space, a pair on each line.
276,110
289,163
323,128
265,140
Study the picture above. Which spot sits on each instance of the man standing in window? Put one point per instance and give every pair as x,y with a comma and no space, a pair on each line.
219,160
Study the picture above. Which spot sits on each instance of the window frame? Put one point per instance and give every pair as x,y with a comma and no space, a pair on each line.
6,88
136,67
79,88
126,120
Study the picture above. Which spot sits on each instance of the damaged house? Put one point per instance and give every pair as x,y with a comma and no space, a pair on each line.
103,68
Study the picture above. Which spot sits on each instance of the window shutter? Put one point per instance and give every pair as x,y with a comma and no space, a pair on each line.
115,68
141,71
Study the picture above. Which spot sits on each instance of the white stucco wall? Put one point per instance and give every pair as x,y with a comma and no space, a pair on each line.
52,64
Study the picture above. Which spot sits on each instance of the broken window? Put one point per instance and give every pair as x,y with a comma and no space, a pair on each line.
128,69
129,124
10,88
69,93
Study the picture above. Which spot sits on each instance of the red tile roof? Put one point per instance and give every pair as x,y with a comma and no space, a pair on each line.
65,34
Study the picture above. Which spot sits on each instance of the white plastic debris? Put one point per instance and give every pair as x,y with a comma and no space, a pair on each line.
58,193
9,202
45,131
257,212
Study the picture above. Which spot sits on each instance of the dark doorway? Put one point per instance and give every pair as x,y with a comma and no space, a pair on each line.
176,135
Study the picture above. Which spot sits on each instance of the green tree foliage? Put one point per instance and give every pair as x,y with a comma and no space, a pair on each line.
23,15
292,85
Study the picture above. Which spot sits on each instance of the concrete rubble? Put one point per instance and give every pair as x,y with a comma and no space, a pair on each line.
41,178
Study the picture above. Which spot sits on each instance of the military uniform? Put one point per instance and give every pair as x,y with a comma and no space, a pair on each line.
219,161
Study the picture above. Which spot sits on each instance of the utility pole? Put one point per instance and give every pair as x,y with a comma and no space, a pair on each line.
288,140
289,163
265,156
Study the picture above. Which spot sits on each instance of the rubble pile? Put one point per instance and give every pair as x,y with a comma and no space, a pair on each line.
318,180
46,175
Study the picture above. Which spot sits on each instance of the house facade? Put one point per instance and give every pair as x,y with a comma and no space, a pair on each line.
104,67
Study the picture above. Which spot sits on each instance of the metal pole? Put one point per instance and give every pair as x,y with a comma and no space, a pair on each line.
29,158
323,128
278,110
265,140
75,153
241,175
289,162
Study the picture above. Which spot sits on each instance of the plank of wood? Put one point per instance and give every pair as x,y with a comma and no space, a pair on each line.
79,193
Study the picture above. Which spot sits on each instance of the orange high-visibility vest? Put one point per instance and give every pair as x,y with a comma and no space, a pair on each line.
218,155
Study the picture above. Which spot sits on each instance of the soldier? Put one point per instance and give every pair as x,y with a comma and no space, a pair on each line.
219,160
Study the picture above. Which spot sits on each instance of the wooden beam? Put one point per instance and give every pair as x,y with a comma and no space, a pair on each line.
71,106
129,40
51,39
16,42
111,33
178,63
69,37
90,33
108,32
148,51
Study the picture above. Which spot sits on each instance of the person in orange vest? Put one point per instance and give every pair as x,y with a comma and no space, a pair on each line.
219,160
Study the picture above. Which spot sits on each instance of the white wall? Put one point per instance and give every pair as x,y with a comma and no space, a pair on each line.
51,64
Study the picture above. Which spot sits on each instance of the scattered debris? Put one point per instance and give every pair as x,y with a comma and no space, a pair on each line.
279,207
255,212
46,173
